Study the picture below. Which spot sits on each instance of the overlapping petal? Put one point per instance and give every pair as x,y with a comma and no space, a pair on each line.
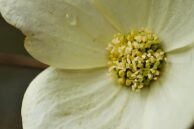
182,55
74,34
61,33
71,100
172,20
169,103
88,99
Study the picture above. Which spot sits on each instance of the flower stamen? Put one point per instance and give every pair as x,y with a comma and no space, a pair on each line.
136,58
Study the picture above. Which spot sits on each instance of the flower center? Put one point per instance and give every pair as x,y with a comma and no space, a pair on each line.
136,58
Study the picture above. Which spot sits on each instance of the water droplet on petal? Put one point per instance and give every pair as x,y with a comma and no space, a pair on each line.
71,19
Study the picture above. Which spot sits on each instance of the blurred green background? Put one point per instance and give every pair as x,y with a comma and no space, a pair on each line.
13,80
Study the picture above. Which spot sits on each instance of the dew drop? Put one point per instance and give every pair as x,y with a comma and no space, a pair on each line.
71,19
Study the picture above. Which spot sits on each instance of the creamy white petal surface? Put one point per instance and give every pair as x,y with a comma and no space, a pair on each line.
170,102
124,14
183,55
172,20
71,99
88,99
61,33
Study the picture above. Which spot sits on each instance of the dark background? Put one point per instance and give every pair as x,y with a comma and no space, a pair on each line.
13,79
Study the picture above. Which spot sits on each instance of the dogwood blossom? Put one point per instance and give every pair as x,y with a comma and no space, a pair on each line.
77,91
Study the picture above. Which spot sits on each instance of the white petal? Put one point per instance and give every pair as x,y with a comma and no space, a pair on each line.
83,99
124,14
182,55
59,99
172,20
170,102
86,99
66,99
61,33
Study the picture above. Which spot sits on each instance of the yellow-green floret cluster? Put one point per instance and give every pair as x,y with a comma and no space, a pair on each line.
136,58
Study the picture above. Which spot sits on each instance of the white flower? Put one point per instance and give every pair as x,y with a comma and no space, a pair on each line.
73,35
